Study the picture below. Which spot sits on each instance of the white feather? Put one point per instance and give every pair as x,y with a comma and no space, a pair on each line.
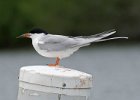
62,46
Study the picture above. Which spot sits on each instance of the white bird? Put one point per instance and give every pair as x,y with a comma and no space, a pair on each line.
59,46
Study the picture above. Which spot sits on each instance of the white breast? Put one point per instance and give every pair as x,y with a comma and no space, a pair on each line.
54,54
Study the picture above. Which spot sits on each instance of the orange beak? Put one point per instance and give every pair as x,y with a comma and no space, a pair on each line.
26,35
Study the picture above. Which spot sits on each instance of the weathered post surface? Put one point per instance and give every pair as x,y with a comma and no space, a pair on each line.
53,83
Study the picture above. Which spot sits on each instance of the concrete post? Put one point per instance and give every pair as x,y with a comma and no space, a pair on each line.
50,83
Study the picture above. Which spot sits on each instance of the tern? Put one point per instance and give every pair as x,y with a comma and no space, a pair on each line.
60,46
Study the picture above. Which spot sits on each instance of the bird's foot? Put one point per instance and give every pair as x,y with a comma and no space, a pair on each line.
56,63
53,65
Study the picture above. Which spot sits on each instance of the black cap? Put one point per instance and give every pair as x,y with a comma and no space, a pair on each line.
37,31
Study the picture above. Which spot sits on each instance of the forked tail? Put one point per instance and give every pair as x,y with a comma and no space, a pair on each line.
101,36
111,39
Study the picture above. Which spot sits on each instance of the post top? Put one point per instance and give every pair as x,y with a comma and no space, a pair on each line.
58,77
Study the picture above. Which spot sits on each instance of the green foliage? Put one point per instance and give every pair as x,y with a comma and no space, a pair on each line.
71,17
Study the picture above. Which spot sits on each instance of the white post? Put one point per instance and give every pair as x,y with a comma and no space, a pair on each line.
53,83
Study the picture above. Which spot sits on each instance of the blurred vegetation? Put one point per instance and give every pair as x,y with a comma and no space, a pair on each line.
68,17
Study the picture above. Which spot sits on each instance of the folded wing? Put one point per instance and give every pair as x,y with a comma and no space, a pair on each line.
57,43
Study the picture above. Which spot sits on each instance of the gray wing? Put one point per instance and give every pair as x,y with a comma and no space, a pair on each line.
57,43
99,35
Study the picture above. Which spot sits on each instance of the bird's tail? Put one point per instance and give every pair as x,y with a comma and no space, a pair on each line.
111,39
101,36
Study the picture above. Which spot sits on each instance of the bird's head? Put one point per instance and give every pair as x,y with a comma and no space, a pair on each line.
36,32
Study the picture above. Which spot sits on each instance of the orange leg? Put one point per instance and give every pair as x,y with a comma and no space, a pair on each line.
56,63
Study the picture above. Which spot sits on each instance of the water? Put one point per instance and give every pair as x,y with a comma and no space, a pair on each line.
116,70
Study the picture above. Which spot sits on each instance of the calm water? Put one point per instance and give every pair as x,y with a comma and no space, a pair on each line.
116,70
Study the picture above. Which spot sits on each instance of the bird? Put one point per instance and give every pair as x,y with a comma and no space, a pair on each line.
60,46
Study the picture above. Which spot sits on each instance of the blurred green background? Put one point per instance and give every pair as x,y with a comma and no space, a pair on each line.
71,17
